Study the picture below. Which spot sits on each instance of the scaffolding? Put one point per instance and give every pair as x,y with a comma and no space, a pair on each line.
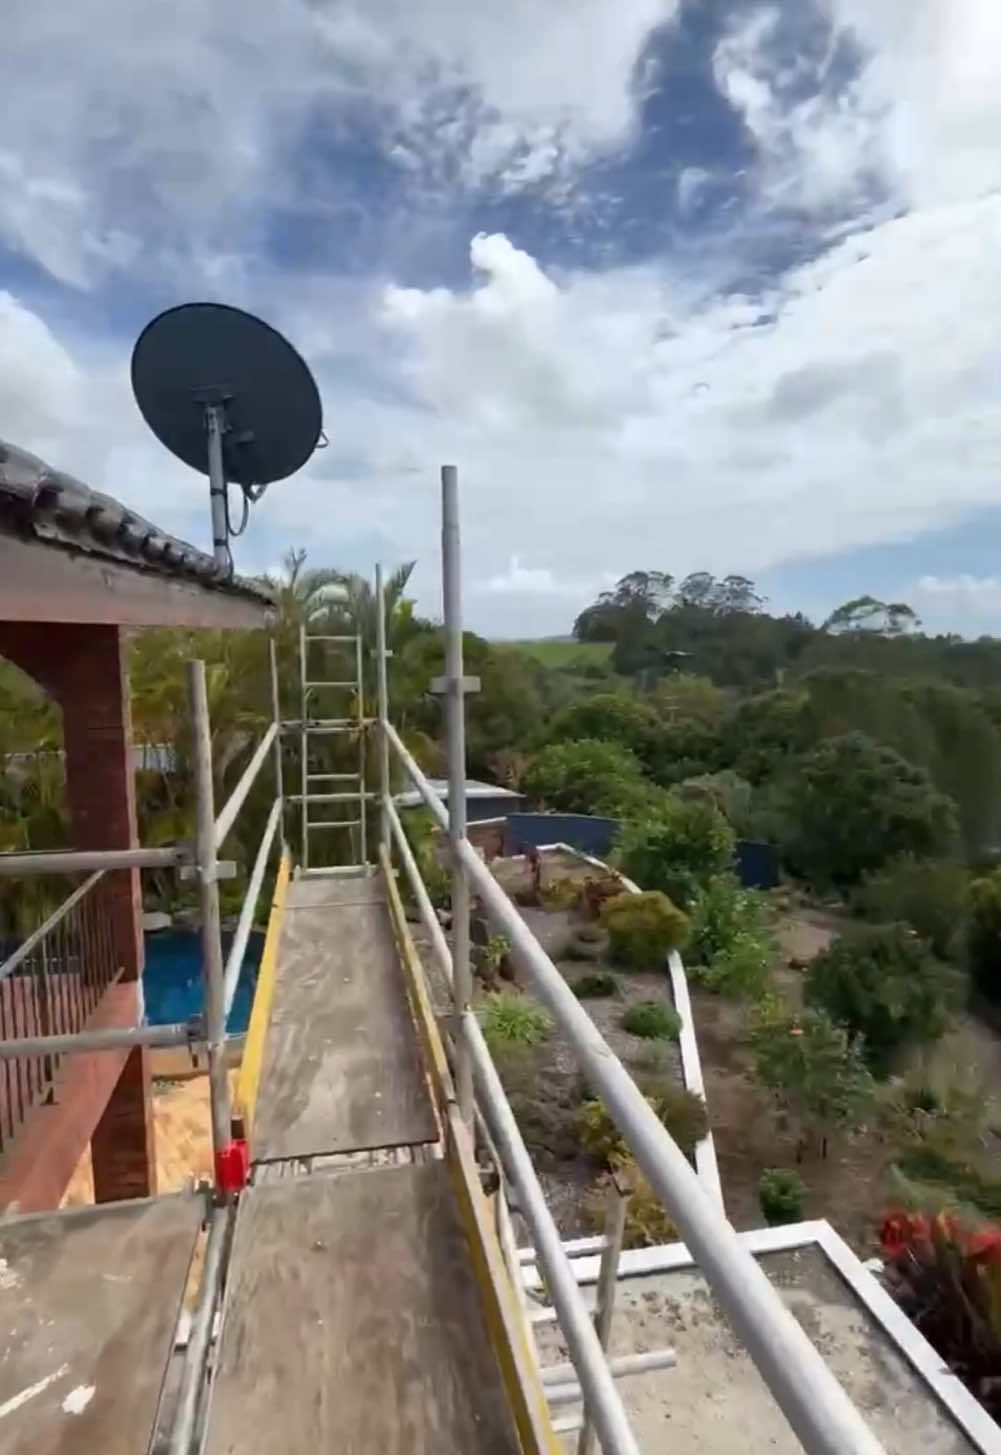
479,1119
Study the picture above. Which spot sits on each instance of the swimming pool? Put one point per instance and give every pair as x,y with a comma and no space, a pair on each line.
172,982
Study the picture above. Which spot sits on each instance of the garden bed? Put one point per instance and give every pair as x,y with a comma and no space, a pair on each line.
543,1081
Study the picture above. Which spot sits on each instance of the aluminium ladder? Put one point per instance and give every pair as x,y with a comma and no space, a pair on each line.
309,727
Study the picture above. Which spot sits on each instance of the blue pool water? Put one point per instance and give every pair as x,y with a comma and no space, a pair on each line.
172,983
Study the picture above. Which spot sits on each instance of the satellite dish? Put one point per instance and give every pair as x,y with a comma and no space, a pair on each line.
229,396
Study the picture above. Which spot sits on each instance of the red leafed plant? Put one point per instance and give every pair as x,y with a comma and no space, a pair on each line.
946,1274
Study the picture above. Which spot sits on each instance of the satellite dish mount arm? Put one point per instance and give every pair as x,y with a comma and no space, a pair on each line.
216,426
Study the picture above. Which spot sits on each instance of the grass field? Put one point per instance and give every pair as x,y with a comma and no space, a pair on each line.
564,651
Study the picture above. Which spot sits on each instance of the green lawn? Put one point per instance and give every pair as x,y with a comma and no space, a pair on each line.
564,651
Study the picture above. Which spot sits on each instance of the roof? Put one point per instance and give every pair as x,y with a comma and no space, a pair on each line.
474,789
38,503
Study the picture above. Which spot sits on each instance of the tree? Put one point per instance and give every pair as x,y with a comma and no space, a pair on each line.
852,804
586,776
928,894
984,936
613,717
676,847
817,1070
883,986
866,614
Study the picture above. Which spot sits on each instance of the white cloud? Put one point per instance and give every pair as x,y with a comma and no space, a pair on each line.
920,116
153,141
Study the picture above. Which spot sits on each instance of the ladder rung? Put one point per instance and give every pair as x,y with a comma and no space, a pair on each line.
328,797
318,637
352,684
331,777
333,823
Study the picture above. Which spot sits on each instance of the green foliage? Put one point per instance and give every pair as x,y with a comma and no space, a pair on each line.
817,1070
781,1195
546,1104
732,937
742,970
611,717
925,1162
563,653
596,985
882,984
511,1019
677,848
928,894
680,1112
652,1019
852,805
585,776
726,791
643,928
984,936
422,836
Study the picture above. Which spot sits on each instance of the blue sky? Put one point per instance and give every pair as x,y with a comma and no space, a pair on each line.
676,285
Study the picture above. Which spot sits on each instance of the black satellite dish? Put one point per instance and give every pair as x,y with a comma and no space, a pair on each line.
229,396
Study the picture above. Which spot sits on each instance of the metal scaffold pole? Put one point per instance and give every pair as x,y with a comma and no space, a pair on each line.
212,966
382,690
455,720
277,719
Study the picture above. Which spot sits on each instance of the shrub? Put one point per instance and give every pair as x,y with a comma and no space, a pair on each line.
946,1275
983,936
780,1196
511,1019
489,959
560,893
881,984
647,1224
929,894
816,1068
682,1113
723,909
676,849
652,1019
585,775
595,892
643,928
595,985
742,970
422,836
726,791
924,1162
852,804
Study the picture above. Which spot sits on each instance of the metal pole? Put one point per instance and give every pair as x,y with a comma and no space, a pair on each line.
455,718
86,1042
615,1226
215,424
83,861
276,718
432,923
382,691
238,948
201,1330
212,979
304,750
231,808
588,1356
360,712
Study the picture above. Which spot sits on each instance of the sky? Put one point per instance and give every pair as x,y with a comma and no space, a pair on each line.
676,284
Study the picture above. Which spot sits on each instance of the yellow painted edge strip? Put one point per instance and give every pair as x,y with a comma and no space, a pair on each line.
505,1320
504,1315
438,1072
260,1014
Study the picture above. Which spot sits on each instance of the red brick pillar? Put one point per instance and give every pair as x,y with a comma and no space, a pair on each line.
122,1146
83,667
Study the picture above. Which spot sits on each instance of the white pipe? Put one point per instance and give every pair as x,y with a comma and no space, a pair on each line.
227,818
238,948
80,861
214,1014
455,743
621,1366
276,718
382,693
426,909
